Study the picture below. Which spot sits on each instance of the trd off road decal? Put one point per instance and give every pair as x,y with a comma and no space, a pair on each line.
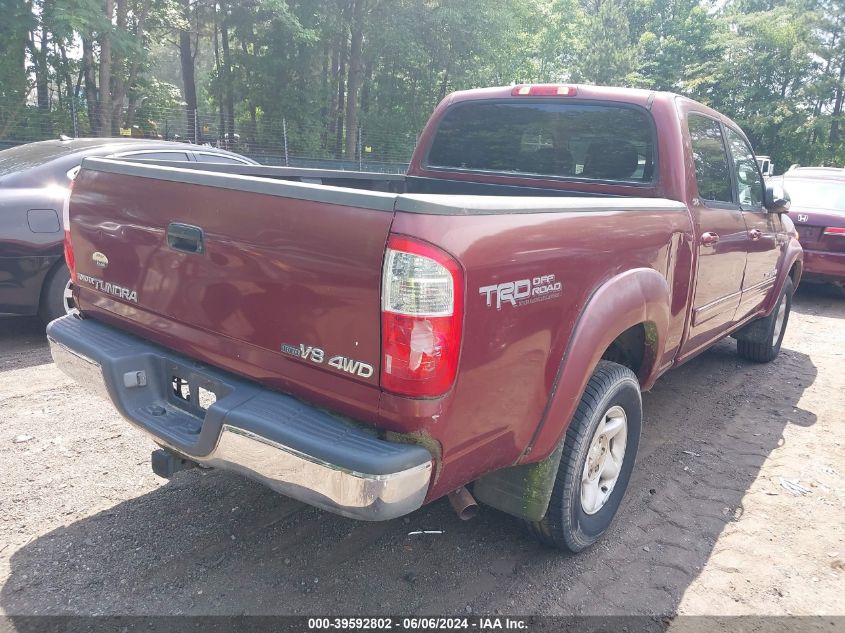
523,292
318,357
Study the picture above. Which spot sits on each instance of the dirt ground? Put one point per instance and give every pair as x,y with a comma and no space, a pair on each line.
707,526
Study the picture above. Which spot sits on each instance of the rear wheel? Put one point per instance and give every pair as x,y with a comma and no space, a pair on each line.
56,295
598,456
761,340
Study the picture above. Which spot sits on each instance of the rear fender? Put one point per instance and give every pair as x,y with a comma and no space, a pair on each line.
794,254
638,296
757,330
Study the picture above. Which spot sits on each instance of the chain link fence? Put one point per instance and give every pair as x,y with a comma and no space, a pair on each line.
267,140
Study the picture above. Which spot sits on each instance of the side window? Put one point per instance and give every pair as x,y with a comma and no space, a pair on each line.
203,157
181,156
712,171
748,180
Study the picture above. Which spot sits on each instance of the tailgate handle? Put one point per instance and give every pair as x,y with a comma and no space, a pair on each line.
184,237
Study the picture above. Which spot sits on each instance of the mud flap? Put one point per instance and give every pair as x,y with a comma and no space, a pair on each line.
523,491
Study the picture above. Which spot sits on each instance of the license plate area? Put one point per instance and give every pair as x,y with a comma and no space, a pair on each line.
191,391
808,233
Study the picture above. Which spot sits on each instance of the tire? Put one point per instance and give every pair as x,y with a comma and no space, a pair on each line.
569,524
53,304
760,341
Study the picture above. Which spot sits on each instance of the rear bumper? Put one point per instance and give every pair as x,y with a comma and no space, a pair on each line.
824,265
293,448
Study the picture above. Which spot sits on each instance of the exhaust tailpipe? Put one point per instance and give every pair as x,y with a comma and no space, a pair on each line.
463,503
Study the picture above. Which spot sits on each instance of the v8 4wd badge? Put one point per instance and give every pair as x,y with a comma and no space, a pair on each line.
318,357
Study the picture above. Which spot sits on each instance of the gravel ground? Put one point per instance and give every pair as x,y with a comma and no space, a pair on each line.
707,526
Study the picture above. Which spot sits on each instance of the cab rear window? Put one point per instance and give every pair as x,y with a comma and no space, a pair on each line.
583,141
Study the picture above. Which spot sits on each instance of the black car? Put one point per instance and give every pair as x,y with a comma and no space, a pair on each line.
34,181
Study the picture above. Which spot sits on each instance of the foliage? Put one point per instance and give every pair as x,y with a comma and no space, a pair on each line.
335,77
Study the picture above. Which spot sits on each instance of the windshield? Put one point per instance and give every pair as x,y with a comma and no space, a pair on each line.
584,141
31,155
819,194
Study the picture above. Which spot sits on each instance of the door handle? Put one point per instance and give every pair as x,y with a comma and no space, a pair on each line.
184,237
709,239
755,234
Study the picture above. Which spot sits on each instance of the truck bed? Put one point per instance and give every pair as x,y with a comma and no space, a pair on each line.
369,181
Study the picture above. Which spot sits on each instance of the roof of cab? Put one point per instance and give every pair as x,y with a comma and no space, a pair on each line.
629,95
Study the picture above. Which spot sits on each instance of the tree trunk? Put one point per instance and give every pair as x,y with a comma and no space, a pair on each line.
105,105
837,106
366,88
135,64
14,41
340,75
341,91
325,89
38,52
444,85
69,89
221,130
356,75
43,71
118,65
65,72
228,90
189,84
335,72
91,97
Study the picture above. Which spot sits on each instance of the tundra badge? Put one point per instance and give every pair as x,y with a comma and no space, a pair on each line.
121,292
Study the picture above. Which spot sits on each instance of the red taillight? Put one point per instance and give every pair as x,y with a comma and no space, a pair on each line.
422,314
833,230
70,260
544,90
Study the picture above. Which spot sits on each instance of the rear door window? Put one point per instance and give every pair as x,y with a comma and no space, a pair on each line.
220,159
584,141
712,170
749,182
178,156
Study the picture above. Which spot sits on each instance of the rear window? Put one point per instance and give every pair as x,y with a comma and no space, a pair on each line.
177,156
589,141
31,155
218,159
818,194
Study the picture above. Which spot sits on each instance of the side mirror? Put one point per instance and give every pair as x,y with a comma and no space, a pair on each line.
777,200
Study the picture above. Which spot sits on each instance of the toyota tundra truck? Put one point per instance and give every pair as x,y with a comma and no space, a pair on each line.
481,327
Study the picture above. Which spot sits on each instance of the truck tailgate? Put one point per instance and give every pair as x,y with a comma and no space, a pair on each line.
272,280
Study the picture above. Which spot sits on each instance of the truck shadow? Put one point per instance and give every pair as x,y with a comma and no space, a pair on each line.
819,300
214,543
23,339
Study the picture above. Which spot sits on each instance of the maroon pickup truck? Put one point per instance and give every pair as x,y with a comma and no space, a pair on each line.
368,344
